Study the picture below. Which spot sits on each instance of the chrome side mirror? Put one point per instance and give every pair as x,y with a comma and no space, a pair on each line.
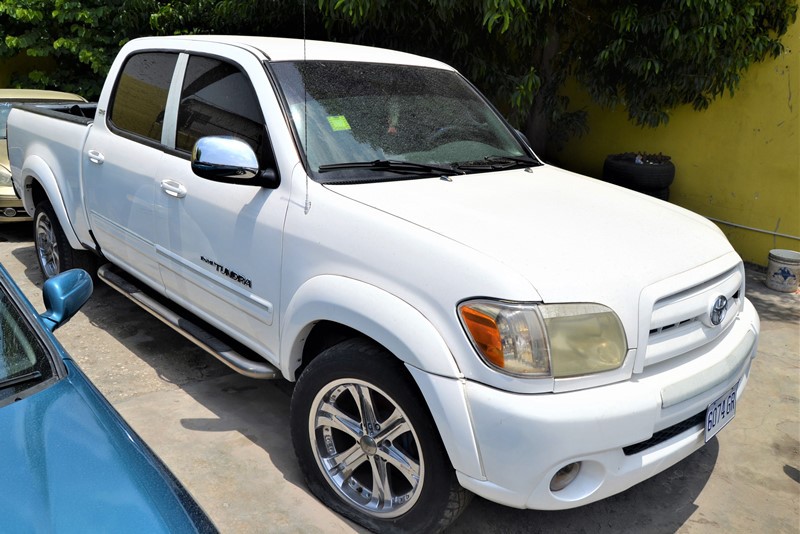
229,160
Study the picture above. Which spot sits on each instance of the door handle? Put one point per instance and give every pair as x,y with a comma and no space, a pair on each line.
96,157
173,188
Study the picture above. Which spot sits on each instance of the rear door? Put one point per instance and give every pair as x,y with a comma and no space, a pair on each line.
120,161
219,245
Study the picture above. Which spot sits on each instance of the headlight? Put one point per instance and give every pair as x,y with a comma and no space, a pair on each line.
545,340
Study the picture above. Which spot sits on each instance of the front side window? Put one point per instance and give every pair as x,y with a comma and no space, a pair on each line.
140,98
23,360
217,99
346,113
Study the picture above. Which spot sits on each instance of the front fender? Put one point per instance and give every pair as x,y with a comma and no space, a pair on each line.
407,334
385,318
36,169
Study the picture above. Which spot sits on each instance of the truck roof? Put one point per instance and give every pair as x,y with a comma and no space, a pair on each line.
282,49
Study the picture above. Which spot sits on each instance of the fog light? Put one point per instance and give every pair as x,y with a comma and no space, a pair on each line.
565,476
9,212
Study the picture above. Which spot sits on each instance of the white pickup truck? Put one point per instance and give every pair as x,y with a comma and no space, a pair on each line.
457,315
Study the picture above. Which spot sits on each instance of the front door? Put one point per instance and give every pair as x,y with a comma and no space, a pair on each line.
219,245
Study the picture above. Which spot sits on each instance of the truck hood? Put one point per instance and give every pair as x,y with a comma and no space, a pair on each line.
574,238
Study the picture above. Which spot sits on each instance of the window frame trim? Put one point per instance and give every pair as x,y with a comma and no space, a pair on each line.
178,89
128,134
167,142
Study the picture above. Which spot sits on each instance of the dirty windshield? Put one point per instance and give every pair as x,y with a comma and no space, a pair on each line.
374,122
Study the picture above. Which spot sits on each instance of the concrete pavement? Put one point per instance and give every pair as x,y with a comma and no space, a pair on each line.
227,439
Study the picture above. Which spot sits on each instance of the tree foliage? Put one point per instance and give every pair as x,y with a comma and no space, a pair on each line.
647,56
644,55
654,56
498,45
80,36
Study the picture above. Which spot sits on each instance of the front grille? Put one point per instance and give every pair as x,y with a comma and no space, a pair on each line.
680,322
666,434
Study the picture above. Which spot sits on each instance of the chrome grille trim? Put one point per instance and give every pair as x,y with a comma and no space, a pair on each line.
678,320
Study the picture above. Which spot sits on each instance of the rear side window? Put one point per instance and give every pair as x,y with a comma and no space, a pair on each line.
141,95
217,99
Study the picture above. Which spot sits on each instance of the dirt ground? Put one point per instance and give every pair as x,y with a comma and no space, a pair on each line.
227,439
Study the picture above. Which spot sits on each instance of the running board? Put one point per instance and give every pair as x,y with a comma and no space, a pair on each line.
159,308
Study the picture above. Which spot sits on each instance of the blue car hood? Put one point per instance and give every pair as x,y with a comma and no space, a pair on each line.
68,462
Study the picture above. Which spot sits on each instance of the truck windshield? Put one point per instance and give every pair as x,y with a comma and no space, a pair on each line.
375,122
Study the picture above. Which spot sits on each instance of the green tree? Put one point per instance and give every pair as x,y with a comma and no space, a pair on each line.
81,36
644,55
648,56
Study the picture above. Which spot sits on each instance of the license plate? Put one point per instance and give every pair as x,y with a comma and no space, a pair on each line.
720,412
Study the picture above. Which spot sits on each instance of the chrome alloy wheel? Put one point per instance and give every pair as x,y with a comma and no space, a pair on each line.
366,448
46,245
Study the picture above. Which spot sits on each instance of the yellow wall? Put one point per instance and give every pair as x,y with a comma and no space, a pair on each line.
738,161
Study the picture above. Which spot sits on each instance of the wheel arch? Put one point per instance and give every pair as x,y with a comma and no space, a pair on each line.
328,308
39,184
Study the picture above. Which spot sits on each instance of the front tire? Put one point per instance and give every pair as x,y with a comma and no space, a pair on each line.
53,251
368,447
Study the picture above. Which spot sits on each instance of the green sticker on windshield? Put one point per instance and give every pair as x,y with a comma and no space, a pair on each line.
338,123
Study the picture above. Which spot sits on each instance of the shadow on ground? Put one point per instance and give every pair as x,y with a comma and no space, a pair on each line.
661,504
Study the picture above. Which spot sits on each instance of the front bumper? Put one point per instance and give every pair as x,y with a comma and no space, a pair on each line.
522,441
11,209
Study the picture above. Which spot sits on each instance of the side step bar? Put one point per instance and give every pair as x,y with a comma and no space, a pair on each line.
188,329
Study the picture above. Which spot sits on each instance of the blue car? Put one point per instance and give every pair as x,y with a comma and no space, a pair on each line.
68,461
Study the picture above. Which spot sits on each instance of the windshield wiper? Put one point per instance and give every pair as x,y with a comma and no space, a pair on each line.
499,163
402,167
21,379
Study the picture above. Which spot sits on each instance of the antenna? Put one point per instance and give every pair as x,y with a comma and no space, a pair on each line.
307,207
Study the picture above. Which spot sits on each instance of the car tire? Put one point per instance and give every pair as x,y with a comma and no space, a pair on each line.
662,194
357,416
621,169
54,254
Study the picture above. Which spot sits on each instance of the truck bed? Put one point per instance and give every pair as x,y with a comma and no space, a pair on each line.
72,111
47,141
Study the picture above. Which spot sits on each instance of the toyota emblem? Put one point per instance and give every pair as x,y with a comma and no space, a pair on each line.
719,310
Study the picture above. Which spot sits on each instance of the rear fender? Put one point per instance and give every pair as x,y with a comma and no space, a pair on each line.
35,169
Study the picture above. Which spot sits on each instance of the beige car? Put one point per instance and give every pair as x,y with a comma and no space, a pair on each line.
10,204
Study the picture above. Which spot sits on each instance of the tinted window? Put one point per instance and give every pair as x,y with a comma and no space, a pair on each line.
141,95
217,99
23,360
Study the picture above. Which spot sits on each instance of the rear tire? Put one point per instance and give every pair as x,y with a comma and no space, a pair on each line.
53,251
367,445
